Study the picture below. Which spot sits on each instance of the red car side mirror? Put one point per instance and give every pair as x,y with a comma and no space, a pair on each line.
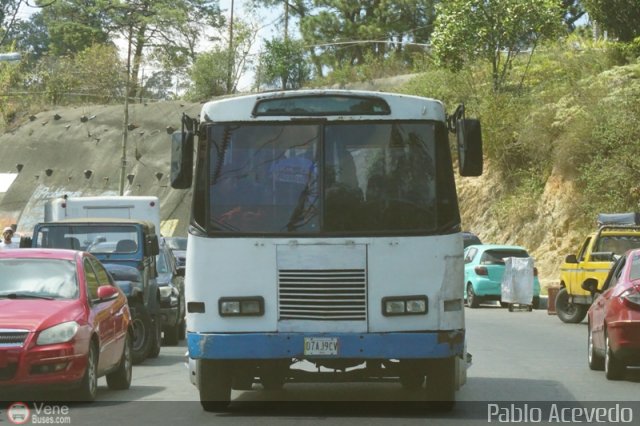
106,292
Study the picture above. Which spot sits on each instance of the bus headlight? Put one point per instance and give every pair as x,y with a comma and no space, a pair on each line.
405,305
241,306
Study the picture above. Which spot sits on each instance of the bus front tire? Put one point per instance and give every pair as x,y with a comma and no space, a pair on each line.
441,384
214,383
412,373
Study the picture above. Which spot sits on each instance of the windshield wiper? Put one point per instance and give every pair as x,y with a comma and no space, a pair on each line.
24,296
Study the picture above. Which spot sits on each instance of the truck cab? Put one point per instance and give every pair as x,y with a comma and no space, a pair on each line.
124,242
593,260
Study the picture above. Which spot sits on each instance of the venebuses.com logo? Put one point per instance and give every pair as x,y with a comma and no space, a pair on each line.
18,413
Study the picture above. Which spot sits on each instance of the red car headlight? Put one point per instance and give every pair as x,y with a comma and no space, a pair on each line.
59,333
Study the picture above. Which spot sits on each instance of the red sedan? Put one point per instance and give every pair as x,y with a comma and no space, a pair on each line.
63,323
614,318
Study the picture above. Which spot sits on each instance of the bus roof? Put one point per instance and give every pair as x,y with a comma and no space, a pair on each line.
402,107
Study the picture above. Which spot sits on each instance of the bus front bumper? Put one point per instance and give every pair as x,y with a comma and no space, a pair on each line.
398,345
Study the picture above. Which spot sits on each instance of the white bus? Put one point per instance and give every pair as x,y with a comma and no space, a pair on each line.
325,230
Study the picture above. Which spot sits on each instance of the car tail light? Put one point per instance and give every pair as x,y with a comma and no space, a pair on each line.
481,270
631,297
535,272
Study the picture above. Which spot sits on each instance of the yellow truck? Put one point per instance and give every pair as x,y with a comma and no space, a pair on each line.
593,260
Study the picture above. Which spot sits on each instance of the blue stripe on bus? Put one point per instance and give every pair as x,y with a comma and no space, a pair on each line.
350,345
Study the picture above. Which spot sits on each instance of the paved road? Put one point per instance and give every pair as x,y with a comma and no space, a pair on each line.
518,358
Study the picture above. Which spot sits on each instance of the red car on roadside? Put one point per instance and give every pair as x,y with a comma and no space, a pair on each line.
63,323
614,318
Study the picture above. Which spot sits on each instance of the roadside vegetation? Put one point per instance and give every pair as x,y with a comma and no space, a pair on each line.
554,99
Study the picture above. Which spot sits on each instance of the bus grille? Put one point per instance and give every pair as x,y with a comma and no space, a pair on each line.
11,338
328,294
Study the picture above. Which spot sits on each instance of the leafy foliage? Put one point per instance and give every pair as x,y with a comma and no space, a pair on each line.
94,75
209,75
619,17
8,17
31,37
72,29
573,11
283,64
9,77
343,33
494,31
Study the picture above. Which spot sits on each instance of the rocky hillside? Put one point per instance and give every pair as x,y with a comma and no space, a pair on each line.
78,151
547,233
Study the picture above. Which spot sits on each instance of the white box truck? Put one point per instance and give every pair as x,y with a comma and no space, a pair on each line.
107,206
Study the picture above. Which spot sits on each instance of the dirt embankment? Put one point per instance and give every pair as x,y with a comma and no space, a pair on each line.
547,231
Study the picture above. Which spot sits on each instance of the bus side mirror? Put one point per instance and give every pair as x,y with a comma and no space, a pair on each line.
469,136
151,246
181,159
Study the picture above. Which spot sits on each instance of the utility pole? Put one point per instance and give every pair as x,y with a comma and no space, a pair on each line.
125,123
231,55
286,20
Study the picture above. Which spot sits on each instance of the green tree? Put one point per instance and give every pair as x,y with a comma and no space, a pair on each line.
98,72
161,29
31,37
94,75
297,9
74,25
165,31
345,32
573,10
283,64
159,85
8,17
232,63
495,31
620,17
209,75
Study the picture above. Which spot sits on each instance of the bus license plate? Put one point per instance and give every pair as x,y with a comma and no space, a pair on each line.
321,346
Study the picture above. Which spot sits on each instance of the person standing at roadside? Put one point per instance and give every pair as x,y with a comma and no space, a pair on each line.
6,242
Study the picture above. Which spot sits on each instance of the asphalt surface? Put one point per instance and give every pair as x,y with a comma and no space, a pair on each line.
527,361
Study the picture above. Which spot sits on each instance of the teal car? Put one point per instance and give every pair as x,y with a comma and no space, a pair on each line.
483,270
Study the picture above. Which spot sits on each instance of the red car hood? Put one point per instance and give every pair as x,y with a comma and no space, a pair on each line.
29,314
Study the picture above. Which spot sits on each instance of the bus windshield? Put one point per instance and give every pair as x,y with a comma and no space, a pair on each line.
332,177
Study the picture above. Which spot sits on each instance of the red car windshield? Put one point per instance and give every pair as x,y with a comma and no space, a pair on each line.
38,278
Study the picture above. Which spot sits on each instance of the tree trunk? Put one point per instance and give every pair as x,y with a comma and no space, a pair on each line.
137,59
